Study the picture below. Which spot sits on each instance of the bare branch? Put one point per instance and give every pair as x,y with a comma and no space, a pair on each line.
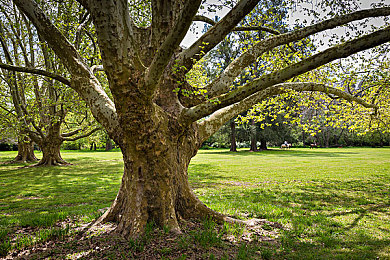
9,112
341,51
81,136
11,78
96,68
71,133
216,33
317,87
36,72
171,43
201,18
61,46
205,19
83,23
222,83
38,129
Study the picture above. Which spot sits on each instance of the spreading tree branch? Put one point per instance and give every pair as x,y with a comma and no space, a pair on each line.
216,34
36,72
74,132
113,23
210,125
341,51
11,77
222,83
81,136
83,23
96,68
9,112
171,43
205,19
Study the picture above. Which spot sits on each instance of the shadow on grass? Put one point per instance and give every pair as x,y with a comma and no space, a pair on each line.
326,218
41,191
204,175
104,243
380,208
329,220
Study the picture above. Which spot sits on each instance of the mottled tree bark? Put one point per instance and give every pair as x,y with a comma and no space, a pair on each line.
50,145
25,151
51,154
155,182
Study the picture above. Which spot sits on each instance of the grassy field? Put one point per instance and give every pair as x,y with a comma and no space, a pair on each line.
333,203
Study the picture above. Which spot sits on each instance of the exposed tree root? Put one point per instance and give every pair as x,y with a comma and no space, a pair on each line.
188,208
51,161
18,160
24,159
25,155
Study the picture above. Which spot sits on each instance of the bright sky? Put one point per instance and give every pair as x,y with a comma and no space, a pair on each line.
193,35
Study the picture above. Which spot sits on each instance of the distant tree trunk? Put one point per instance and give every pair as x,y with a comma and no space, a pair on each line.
109,145
233,145
337,138
319,141
253,136
327,137
25,151
51,154
51,147
263,144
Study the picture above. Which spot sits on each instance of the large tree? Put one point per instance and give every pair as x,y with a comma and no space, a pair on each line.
158,128
48,113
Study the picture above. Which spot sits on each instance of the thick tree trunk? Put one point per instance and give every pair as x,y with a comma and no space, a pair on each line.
25,151
233,145
51,154
155,183
253,137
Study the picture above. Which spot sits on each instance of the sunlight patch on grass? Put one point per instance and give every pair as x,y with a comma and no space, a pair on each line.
334,203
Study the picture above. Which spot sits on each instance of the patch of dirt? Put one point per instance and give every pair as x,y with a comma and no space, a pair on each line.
29,198
239,183
102,242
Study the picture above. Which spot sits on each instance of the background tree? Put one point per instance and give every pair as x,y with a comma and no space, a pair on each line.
267,17
41,106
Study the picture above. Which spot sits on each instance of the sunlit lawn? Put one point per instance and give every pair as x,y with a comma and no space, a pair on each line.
334,203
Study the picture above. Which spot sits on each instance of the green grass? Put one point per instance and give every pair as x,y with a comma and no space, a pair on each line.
334,202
